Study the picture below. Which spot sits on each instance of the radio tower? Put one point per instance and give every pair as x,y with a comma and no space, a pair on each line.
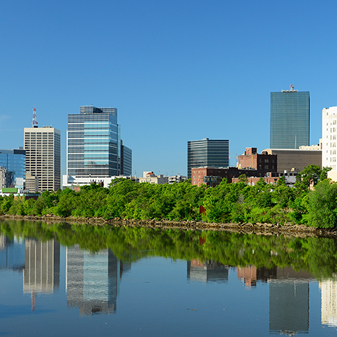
34,121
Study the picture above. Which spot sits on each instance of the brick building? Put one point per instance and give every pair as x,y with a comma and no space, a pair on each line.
263,162
212,176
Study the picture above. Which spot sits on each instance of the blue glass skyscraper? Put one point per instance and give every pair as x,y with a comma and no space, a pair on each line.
93,146
15,162
289,119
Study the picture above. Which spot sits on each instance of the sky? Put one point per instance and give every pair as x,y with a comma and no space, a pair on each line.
176,70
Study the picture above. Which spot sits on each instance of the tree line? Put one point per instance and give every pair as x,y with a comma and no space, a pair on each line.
227,202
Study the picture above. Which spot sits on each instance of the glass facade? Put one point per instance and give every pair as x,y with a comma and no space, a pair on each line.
206,152
126,160
92,143
15,162
289,119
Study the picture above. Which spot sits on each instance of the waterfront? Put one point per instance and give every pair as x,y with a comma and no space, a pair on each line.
84,280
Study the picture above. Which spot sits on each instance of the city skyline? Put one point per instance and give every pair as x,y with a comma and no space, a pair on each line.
170,82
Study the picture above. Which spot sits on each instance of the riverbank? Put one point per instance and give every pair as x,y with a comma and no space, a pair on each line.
248,228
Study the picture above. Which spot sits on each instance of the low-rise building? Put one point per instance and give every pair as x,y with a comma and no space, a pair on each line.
291,160
212,176
72,181
150,177
263,162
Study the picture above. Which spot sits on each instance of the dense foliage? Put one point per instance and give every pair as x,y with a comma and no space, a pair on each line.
318,256
238,203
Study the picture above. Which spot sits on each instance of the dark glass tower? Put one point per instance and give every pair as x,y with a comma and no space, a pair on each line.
289,119
93,146
207,152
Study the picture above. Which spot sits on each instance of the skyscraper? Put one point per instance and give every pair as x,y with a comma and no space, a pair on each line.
329,137
93,147
43,156
15,163
207,152
289,119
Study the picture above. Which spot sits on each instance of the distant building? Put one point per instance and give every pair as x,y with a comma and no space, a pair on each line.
5,177
289,119
15,163
176,179
150,177
212,176
43,156
295,160
263,163
72,182
329,137
207,152
126,160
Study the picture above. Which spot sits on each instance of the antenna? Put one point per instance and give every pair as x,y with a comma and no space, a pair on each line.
34,121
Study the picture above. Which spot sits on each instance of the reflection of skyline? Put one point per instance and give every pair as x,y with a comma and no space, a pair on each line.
288,296
42,266
92,280
12,253
329,302
206,271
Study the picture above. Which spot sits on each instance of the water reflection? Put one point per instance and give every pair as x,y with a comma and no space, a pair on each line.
206,271
92,280
329,301
216,265
12,253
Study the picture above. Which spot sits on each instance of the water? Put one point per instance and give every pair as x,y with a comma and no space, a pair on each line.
60,280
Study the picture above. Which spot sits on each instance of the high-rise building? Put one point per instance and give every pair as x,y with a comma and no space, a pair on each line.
14,161
94,146
289,119
329,135
207,152
43,156
126,160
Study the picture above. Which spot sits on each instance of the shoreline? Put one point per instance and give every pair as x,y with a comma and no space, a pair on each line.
258,228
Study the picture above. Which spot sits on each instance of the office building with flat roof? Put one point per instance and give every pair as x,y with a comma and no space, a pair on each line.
43,156
207,152
94,147
329,137
289,119
14,161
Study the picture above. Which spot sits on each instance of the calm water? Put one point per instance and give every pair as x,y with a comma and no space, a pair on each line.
56,280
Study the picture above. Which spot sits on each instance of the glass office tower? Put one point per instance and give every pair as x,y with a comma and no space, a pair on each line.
289,119
207,152
93,149
15,162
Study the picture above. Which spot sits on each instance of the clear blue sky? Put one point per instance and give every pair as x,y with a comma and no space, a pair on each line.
176,70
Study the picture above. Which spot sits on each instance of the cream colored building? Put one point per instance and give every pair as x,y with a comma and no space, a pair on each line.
329,137
295,159
43,156
150,177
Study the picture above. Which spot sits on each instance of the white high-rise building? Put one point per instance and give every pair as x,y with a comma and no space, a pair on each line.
329,137
43,156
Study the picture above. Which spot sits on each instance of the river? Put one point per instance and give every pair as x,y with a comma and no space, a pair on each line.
79,280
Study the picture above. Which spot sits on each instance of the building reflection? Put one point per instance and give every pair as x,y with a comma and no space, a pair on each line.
92,280
41,273
288,296
206,271
12,253
329,302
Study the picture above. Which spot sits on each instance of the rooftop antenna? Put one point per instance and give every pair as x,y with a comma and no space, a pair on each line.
34,121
